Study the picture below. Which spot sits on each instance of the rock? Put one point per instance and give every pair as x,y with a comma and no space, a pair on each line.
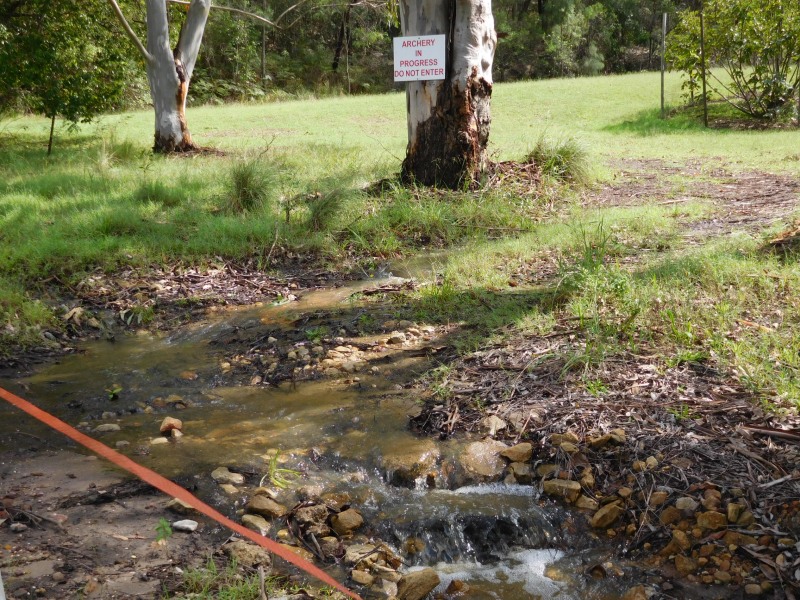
687,504
396,337
657,499
521,472
746,519
457,588
635,593
107,428
722,576
223,475
618,435
362,577
651,463
301,552
546,469
185,525
481,460
586,502
58,576
587,479
624,492
563,488
159,441
122,444
711,499
606,516
176,434
405,461
753,589
256,523
18,527
347,521
670,515
638,466
679,543
712,520
247,554
229,489
569,447
417,584
266,507
169,423
265,491
180,507
492,424
357,552
734,511
313,519
557,439
685,565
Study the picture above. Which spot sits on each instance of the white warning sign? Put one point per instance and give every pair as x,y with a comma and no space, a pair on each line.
419,58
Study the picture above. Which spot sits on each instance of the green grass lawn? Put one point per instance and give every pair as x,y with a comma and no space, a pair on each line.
294,172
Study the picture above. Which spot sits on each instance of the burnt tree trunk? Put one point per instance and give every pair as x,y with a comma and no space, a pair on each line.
169,72
449,120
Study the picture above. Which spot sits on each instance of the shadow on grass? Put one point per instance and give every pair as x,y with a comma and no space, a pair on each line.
649,122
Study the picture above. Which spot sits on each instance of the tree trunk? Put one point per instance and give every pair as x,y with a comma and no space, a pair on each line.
448,120
170,71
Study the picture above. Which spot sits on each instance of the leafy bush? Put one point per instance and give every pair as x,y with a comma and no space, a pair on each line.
757,44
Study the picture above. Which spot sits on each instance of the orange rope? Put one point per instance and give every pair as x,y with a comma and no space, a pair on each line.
171,489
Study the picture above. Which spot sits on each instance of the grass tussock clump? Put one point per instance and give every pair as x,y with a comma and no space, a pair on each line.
251,186
563,160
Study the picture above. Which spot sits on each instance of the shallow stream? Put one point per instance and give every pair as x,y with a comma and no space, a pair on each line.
501,539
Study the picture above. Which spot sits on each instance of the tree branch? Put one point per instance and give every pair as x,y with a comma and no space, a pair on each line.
250,15
131,33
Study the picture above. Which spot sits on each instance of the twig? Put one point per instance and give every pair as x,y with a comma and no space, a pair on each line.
262,583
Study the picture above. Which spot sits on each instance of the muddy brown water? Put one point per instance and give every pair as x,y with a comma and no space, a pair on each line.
503,540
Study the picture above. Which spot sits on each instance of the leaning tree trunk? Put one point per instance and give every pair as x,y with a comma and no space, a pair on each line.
448,120
170,71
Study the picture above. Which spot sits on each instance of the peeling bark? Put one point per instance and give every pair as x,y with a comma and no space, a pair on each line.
170,71
449,120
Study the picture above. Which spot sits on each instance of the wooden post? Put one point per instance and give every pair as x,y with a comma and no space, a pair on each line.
663,63
703,67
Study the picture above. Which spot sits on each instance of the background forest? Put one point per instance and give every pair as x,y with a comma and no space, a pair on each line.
324,47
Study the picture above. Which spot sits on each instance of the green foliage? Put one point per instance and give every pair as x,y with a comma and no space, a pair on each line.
755,42
59,60
163,530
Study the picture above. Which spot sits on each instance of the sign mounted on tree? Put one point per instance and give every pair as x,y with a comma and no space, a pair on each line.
419,58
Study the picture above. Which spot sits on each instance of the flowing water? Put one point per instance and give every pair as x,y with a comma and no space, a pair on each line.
500,539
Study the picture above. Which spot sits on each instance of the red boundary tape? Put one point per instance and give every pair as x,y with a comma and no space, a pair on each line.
171,489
